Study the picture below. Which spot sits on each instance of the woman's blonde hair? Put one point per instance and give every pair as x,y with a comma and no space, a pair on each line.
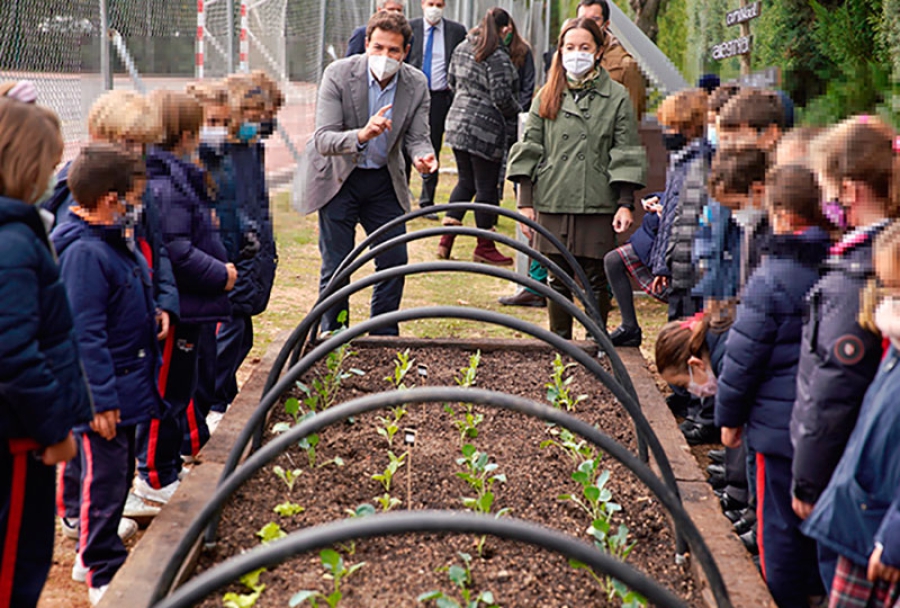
886,257
179,113
31,146
213,93
685,111
119,116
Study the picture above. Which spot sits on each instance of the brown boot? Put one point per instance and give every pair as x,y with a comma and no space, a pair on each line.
445,246
486,253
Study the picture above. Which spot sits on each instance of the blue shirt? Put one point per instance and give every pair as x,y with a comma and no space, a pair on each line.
374,154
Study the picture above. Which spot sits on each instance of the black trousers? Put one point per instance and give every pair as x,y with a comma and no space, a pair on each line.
477,180
440,106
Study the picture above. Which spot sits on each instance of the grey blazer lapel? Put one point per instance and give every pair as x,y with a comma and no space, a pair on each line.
400,109
359,91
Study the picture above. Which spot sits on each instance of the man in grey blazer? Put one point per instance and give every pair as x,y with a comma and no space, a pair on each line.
369,109
434,40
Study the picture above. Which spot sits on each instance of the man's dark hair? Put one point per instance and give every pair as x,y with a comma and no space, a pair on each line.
735,171
757,108
390,22
101,168
604,6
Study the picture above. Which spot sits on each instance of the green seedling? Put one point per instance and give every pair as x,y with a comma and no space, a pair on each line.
387,501
596,498
289,509
289,477
402,365
467,426
461,576
468,376
337,571
479,474
387,476
578,451
336,461
612,587
391,426
246,600
559,393
363,510
271,532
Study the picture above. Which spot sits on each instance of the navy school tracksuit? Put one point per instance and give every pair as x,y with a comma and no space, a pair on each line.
148,237
108,283
198,261
43,395
757,388
245,227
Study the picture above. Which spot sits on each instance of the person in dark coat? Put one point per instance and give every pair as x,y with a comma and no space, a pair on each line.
108,283
44,391
839,358
690,353
204,277
356,45
433,43
759,375
485,83
858,515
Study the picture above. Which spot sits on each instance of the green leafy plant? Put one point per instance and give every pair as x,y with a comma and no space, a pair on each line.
362,510
385,477
387,501
288,509
467,425
402,365
461,576
468,376
391,426
559,393
336,461
246,600
578,451
271,532
289,477
337,571
479,474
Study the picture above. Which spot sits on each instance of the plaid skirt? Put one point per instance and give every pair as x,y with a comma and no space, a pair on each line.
851,589
641,273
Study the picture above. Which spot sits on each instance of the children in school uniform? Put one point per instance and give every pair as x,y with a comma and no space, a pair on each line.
44,392
108,283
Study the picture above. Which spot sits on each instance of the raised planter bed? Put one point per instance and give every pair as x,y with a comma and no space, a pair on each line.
399,569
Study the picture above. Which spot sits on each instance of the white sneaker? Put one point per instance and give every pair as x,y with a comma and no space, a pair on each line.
79,570
69,527
127,528
212,421
162,495
95,594
136,508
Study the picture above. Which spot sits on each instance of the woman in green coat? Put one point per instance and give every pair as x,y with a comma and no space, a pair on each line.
579,163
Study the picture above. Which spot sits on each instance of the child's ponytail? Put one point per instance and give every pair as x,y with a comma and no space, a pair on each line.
678,341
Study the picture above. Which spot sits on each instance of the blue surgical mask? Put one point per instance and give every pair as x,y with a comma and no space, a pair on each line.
712,136
248,131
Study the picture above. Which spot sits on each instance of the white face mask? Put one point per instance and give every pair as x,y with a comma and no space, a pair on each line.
887,318
578,63
707,389
433,14
48,191
383,67
213,136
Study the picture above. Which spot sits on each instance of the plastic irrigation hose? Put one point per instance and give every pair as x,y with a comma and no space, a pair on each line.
408,522
495,209
437,395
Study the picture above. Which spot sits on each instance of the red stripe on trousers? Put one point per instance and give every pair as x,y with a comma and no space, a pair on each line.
760,502
88,473
13,522
153,440
60,490
195,429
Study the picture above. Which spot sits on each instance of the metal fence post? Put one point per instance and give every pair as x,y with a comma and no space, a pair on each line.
229,48
105,71
323,29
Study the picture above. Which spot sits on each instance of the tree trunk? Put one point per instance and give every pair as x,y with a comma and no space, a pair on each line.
646,13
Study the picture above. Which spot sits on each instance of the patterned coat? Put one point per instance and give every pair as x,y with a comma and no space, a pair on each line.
486,95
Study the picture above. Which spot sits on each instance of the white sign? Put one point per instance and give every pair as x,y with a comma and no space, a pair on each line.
732,48
745,13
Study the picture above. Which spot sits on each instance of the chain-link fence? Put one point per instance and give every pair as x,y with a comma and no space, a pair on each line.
62,45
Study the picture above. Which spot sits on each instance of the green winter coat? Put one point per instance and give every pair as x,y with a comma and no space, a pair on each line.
575,159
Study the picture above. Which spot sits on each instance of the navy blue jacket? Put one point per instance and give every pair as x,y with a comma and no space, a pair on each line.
860,504
115,317
148,232
838,360
43,392
256,275
232,222
758,382
197,255
643,238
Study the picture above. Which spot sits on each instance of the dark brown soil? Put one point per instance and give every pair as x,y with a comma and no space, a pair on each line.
398,570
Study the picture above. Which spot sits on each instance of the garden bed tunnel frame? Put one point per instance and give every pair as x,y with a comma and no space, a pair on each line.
393,524
256,421
207,517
